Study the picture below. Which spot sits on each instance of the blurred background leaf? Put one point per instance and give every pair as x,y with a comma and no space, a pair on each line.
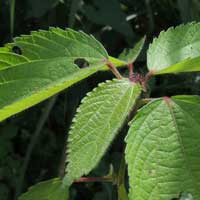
189,10
38,8
110,14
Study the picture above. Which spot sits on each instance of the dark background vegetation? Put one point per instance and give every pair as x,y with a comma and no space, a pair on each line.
118,24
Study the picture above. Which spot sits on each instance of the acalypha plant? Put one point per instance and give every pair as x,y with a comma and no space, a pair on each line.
162,153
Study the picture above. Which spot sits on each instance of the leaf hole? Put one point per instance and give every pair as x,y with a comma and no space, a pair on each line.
17,50
81,63
184,196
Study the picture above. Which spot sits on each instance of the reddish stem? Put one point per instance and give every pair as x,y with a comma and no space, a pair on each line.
146,79
149,75
114,70
167,100
130,69
93,179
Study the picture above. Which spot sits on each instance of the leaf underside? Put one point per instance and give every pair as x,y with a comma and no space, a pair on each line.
47,190
176,50
163,149
45,67
98,120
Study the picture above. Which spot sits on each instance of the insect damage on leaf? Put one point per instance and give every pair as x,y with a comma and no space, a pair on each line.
17,50
81,63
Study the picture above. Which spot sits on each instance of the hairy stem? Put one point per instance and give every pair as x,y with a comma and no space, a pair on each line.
147,78
130,69
34,140
114,70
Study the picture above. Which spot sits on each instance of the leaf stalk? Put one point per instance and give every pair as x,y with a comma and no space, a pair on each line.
114,70
93,179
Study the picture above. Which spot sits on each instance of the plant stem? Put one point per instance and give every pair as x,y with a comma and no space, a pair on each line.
130,69
114,70
147,77
34,140
147,100
93,179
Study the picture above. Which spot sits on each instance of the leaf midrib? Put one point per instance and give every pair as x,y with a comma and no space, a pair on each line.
69,59
58,85
93,116
116,105
187,166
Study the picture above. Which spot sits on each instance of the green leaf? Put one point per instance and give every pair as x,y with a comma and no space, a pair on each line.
98,120
189,65
130,55
47,190
46,66
176,50
163,150
57,43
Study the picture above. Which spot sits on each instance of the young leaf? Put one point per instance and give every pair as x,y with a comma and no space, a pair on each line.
163,149
47,190
176,50
45,67
130,55
98,120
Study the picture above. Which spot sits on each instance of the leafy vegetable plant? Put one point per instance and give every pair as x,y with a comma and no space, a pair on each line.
162,143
